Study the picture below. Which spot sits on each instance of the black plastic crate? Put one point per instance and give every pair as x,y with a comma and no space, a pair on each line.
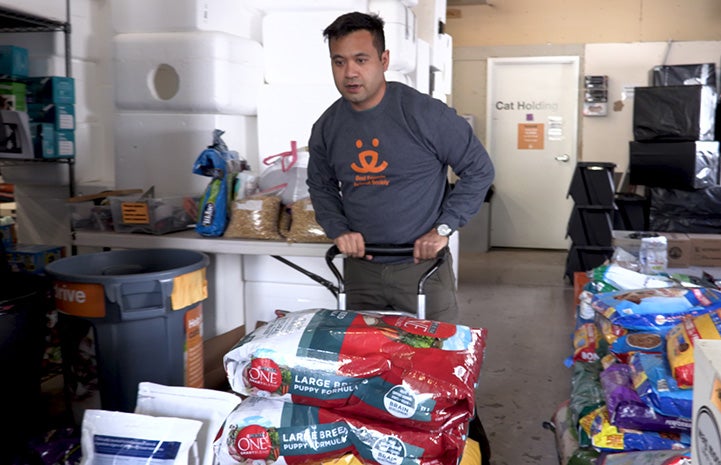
632,212
591,225
592,184
584,258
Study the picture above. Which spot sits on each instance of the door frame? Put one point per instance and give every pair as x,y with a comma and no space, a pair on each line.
574,126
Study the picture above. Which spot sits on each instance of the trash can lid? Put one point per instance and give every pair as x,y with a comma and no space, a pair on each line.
127,265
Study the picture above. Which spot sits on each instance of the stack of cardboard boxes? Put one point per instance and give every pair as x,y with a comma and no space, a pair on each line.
38,113
685,250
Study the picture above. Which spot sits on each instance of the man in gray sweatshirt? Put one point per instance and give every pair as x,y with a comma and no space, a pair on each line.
378,174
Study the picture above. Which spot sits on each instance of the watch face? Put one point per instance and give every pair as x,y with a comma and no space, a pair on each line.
444,230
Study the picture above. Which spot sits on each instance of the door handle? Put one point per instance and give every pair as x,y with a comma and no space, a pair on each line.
564,158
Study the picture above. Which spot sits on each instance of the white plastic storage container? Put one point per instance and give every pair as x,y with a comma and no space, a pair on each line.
295,49
263,268
231,16
397,76
159,149
421,76
441,52
268,6
204,72
280,122
400,32
262,299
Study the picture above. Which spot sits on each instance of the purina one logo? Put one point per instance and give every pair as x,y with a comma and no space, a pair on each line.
264,374
253,442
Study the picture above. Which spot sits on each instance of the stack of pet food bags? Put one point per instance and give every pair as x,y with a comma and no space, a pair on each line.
632,388
321,385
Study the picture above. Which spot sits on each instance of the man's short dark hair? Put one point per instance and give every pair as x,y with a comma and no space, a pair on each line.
356,21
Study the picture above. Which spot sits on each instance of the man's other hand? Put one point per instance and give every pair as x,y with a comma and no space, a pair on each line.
352,244
428,245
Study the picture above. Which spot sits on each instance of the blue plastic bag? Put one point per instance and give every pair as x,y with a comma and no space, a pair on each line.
220,164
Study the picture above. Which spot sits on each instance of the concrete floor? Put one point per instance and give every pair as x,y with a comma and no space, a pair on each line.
523,300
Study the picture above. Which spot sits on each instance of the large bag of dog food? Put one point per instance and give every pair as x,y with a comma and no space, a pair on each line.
394,368
269,431
681,339
658,309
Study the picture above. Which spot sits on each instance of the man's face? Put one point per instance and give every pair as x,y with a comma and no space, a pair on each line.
358,70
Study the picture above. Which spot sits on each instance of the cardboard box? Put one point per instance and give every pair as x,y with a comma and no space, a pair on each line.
51,143
630,241
32,258
13,61
15,141
61,115
213,351
679,245
153,215
705,435
679,249
50,89
705,249
13,96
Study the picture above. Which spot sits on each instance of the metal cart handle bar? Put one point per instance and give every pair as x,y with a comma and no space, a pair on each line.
388,251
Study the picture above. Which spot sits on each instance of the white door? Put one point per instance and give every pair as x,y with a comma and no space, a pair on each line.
531,135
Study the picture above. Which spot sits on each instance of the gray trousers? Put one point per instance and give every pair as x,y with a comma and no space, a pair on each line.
381,286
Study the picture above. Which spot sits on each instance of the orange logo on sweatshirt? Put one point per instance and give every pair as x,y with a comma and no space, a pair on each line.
368,160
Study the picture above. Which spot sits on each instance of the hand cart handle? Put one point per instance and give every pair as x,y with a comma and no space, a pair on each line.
391,251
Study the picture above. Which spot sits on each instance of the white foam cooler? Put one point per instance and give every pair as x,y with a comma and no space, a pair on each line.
287,112
421,76
397,76
295,49
400,33
204,72
159,149
231,16
269,6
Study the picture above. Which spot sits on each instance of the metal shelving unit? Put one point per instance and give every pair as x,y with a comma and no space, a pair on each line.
12,21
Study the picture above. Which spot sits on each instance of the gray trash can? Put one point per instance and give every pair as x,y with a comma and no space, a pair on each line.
145,309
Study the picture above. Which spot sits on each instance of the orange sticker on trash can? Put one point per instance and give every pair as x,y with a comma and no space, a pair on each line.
80,299
188,289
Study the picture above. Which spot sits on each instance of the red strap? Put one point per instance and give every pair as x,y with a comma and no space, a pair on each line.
292,155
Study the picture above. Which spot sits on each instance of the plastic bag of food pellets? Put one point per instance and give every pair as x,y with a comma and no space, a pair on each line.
637,341
134,439
654,383
394,368
626,408
607,437
588,345
647,457
655,309
206,405
270,431
680,342
586,395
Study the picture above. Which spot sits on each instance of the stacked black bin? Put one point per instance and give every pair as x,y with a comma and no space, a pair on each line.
590,226
675,151
674,135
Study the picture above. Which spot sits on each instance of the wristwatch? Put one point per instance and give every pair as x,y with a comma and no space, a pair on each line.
444,230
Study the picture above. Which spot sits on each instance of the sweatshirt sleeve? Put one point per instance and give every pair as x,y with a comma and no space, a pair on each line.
324,188
459,148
